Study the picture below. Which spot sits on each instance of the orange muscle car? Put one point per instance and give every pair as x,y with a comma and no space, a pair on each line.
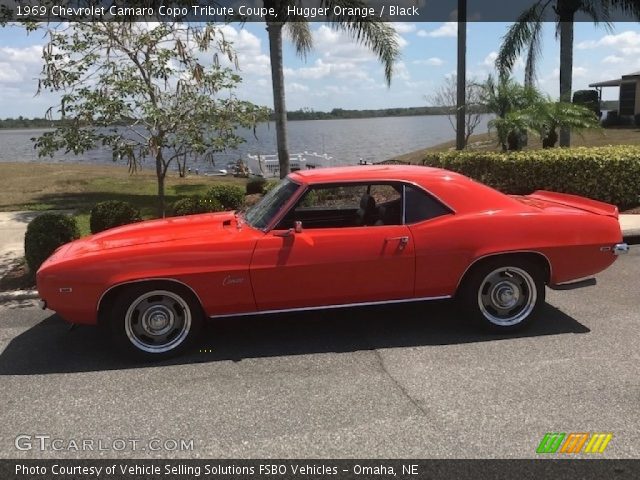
329,238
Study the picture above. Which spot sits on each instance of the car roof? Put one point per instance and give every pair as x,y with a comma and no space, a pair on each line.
370,172
455,190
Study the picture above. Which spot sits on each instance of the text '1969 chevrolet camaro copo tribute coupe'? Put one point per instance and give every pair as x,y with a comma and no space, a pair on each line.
333,237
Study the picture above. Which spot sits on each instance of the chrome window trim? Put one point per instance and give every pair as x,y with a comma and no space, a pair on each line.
329,307
307,186
153,279
404,204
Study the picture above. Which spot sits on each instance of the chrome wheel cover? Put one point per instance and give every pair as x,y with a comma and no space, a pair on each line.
158,321
507,296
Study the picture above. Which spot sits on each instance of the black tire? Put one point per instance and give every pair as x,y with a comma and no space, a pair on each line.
503,294
155,321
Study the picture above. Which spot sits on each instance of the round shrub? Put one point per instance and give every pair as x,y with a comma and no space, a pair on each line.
195,205
230,196
112,213
46,233
256,185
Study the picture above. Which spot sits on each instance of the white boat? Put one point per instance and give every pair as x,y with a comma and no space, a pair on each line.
268,166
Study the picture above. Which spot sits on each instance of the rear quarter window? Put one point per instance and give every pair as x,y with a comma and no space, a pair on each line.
420,206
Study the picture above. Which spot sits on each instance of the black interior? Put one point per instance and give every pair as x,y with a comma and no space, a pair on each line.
389,213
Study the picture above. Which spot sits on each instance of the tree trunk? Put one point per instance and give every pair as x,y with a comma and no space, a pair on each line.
461,75
566,68
160,173
550,139
274,30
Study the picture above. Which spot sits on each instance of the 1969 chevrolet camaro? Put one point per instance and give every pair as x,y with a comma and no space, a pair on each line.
330,238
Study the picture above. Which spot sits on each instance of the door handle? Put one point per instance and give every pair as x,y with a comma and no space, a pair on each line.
402,241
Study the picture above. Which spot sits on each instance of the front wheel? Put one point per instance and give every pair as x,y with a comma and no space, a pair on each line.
155,322
504,294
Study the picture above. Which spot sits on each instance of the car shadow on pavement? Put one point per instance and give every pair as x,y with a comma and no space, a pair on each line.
52,347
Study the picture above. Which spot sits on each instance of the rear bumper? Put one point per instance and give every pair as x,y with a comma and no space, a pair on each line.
620,249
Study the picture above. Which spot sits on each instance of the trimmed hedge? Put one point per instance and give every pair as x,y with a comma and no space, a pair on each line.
195,205
112,213
45,234
610,174
228,195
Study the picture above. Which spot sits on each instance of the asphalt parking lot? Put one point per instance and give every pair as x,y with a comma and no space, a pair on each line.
410,381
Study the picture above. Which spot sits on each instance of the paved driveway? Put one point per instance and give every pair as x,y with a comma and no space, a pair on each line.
411,381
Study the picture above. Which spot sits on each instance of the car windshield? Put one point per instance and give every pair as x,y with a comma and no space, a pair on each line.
262,213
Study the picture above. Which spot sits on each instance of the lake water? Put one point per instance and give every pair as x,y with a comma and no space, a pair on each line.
347,141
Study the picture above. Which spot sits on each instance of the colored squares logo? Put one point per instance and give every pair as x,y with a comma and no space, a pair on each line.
574,442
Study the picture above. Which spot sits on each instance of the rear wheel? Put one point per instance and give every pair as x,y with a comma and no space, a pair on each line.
154,322
504,294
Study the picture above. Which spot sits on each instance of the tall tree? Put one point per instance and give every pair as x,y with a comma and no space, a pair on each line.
526,34
149,92
374,33
461,104
446,96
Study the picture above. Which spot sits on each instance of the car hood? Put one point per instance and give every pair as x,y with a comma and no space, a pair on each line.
156,231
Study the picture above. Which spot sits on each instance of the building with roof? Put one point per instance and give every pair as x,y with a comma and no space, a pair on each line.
629,98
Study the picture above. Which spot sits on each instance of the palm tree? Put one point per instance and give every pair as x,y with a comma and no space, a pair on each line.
506,98
375,34
526,34
461,104
546,117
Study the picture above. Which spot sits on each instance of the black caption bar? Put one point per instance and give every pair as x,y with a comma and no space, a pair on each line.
300,10
318,469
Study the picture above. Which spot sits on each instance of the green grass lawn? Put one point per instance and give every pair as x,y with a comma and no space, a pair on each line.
56,186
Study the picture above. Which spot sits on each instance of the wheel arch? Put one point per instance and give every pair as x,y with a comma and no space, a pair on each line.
108,297
535,257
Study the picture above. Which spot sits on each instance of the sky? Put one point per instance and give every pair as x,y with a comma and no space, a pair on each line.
340,73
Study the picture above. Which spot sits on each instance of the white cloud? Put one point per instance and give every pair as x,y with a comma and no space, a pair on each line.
297,87
400,71
447,29
402,27
20,65
627,43
248,48
490,60
579,72
613,59
431,62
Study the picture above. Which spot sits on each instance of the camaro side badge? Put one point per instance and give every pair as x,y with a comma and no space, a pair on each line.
230,280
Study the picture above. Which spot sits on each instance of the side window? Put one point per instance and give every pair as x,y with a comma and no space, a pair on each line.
420,206
349,205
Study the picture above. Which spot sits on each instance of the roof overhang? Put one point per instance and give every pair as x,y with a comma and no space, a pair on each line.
631,77
608,83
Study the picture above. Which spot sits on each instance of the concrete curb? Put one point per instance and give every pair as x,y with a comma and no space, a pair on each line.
14,295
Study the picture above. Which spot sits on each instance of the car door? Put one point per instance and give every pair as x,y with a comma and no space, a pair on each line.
345,254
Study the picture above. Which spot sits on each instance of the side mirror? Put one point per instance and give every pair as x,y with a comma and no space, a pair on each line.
297,228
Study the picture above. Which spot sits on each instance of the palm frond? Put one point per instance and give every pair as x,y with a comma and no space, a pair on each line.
535,48
599,11
300,34
374,33
519,36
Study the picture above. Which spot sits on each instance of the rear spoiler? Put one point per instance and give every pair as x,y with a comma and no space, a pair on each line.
575,201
